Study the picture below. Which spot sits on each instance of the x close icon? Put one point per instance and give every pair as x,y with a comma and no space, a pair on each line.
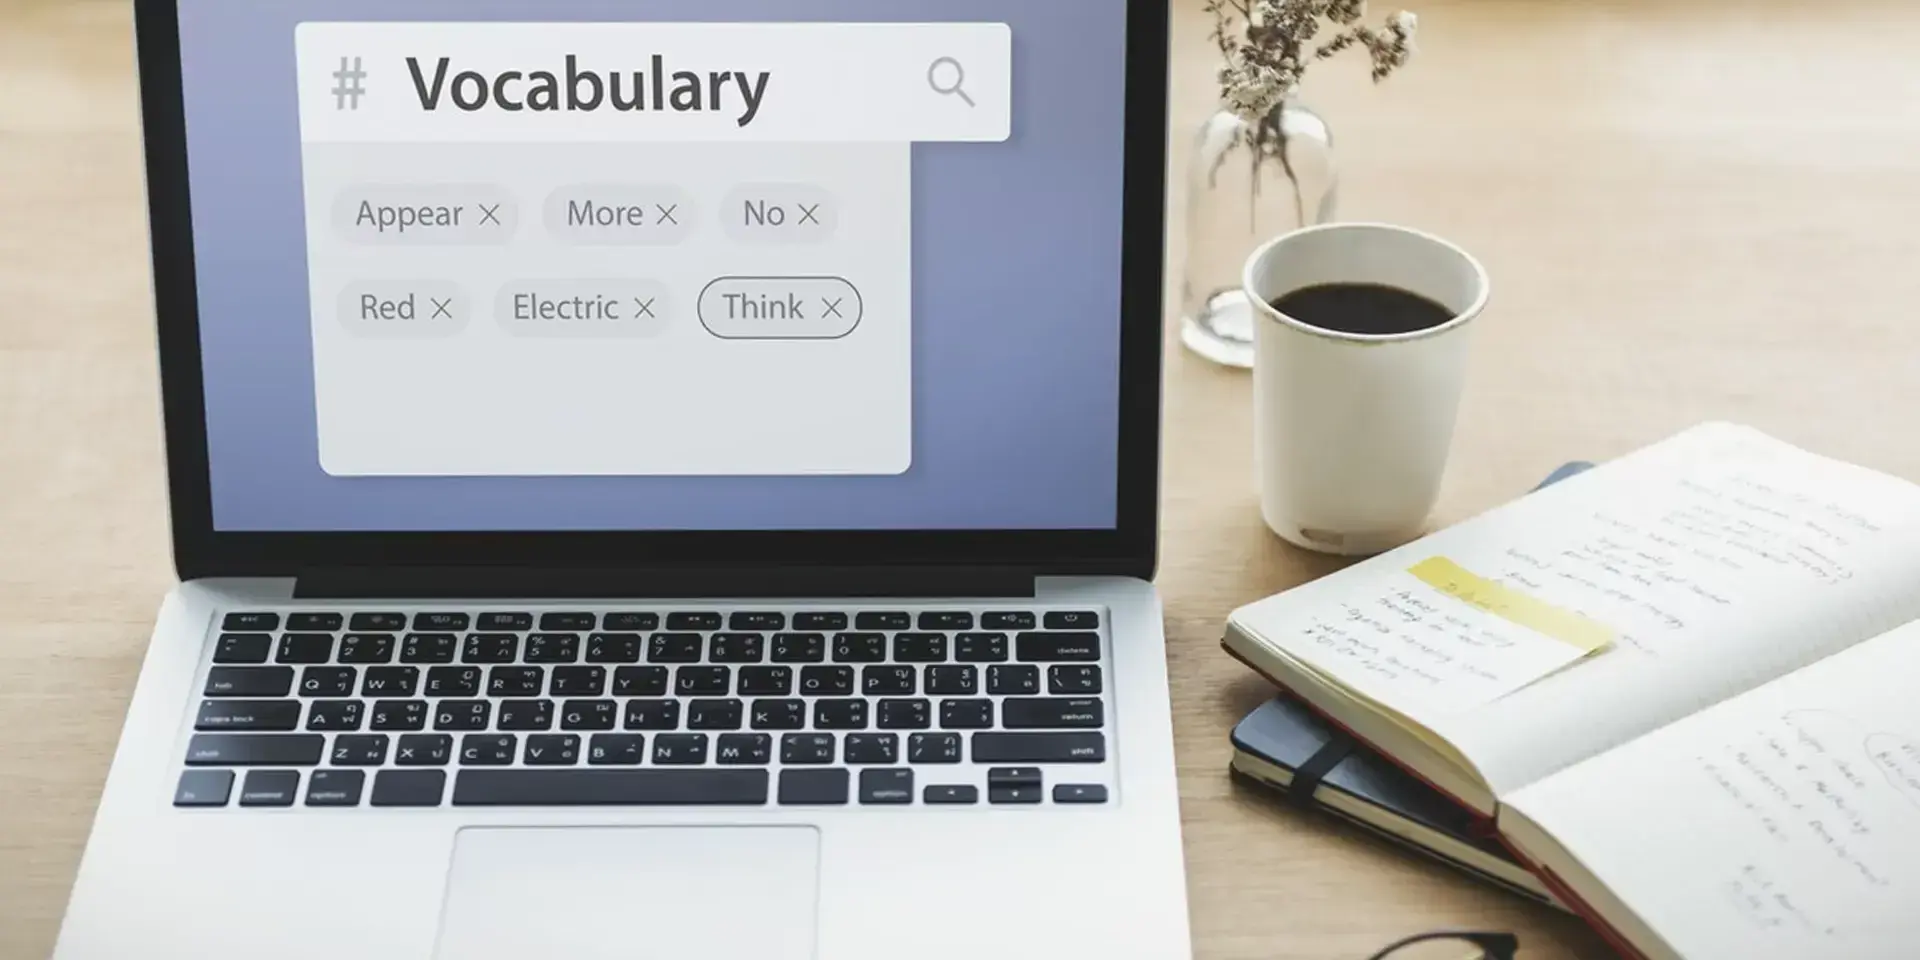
668,214
490,214
809,213
643,308
832,306
441,308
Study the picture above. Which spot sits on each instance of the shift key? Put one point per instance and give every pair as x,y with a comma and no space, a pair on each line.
255,750
1039,747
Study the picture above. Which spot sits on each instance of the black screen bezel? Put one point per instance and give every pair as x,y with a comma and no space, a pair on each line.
1129,549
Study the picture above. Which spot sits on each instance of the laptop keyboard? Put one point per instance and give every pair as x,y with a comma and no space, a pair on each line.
503,708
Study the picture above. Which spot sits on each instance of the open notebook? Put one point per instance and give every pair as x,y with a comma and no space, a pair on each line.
1677,685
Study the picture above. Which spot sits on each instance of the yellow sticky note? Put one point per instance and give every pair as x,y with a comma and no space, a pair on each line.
1511,605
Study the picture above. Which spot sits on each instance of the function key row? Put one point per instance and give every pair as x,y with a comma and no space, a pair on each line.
664,647
703,621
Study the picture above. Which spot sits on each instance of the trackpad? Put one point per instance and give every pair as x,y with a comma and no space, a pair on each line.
632,893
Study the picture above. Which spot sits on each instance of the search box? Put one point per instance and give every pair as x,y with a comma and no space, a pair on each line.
661,82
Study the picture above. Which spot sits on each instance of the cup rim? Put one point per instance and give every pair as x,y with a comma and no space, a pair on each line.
1266,311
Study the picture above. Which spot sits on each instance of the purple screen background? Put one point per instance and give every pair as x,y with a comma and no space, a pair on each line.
1016,289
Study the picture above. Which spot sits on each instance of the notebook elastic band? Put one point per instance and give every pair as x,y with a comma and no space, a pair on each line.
1307,776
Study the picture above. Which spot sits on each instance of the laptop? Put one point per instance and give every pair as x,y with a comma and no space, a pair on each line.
651,479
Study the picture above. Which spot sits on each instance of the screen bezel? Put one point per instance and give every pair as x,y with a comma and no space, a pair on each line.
1128,549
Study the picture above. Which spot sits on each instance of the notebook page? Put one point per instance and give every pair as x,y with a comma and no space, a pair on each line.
1782,824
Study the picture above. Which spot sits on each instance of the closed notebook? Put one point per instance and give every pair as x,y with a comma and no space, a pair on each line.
1678,687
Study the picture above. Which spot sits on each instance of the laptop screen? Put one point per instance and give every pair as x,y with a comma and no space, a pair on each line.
586,265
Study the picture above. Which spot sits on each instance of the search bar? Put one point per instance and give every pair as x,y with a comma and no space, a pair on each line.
664,82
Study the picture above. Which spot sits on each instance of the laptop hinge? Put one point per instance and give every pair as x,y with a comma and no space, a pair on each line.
482,583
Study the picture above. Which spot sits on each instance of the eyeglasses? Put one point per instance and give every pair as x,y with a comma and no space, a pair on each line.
1452,945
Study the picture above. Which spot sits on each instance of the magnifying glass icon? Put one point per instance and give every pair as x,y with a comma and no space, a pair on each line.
948,78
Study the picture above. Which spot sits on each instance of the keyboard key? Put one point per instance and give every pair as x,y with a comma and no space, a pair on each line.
553,750
980,647
428,648
568,621
882,620
488,749
318,622
616,750
249,681
674,647
553,647
490,648
946,620
390,681
779,714
933,748
589,715
905,715
423,750
840,714
680,749
255,749
653,715
826,681
1014,777
335,788
859,647
817,620
966,714
204,788
439,621
579,788
951,793
523,715
766,681
799,647
715,714
1010,680
1044,647
516,681
631,621
806,748
813,787
702,681
1051,713
640,682
753,620
334,716
305,648
1070,620
1073,678
377,622
1079,793
408,788
1039,747
397,715
453,681
1013,794
1008,621
693,621
869,748
328,681
920,647
243,648
888,681
750,749
270,788
737,648
886,786
366,648
248,715
359,750
614,647
953,680
505,621
462,715
250,621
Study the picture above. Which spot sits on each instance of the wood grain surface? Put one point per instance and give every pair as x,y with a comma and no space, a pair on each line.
1690,210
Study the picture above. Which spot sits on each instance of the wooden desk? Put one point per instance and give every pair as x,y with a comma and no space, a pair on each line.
1690,210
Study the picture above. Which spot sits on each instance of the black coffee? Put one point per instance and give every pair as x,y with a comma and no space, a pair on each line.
1368,309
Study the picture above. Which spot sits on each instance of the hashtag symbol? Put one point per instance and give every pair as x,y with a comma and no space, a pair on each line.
349,84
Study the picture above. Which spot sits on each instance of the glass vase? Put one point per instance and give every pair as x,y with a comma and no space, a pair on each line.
1246,184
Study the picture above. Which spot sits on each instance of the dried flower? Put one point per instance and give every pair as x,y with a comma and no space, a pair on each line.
1267,45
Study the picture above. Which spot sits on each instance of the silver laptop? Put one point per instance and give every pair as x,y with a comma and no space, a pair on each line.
651,479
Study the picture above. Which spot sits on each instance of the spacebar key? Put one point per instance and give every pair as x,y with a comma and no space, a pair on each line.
596,788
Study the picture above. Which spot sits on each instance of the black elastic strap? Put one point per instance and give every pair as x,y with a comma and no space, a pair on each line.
1307,776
